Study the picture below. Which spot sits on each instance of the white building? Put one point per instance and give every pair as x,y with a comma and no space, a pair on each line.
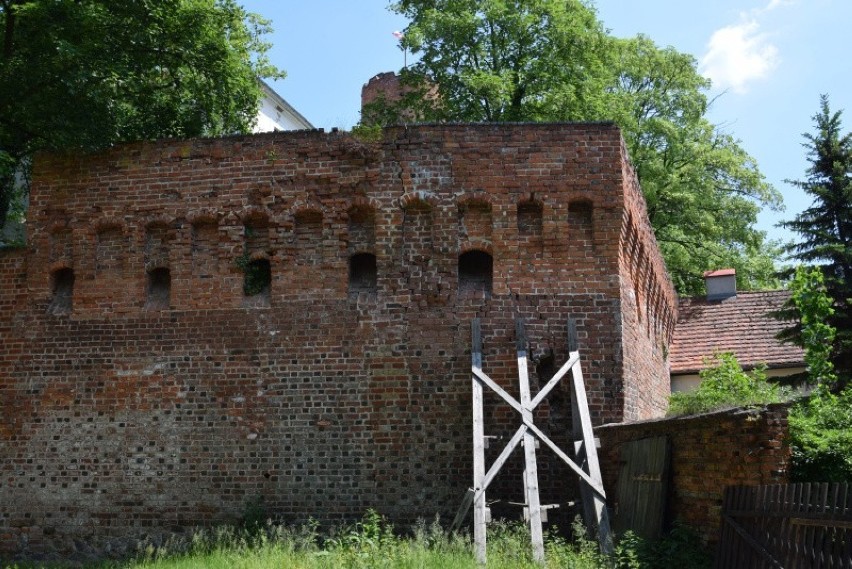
276,114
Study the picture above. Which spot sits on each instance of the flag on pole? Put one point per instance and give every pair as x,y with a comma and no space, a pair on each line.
398,35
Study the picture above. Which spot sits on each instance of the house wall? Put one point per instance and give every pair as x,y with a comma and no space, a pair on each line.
124,414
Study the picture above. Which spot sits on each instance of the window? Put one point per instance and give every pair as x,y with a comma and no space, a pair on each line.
475,272
159,289
529,219
362,273
257,282
62,291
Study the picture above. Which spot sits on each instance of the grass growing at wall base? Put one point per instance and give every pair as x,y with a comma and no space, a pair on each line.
372,543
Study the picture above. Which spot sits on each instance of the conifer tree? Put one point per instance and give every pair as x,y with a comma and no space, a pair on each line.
825,228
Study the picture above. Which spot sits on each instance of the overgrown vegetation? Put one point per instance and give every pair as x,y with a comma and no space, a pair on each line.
821,426
372,543
724,384
821,437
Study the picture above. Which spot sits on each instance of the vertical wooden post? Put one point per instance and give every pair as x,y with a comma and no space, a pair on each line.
594,507
530,467
479,514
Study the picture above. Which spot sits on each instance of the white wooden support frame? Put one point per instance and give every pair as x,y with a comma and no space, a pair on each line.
585,464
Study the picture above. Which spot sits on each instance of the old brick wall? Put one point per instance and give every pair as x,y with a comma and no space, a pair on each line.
153,394
648,308
708,453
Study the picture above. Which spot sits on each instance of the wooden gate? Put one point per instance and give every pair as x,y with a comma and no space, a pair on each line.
790,526
642,487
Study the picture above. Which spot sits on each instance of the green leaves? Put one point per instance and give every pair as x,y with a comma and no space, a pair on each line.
83,74
825,228
551,60
815,308
725,384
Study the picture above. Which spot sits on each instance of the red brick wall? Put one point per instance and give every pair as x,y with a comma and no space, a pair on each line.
122,416
708,453
648,308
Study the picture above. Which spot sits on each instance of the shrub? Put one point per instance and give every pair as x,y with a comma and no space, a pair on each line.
725,384
821,437
681,547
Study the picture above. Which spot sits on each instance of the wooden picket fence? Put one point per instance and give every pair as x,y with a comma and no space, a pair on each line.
789,526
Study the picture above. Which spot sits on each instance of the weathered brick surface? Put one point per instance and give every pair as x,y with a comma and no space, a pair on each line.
131,411
708,453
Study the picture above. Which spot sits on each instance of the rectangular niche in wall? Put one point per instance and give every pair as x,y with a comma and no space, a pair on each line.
110,250
362,245
475,222
159,289
61,291
205,245
476,273
257,268
61,250
362,230
156,246
257,283
308,237
580,225
530,227
362,273
417,233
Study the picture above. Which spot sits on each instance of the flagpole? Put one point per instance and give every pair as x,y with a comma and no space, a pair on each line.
399,35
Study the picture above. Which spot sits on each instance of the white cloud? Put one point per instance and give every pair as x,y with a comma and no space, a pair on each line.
741,53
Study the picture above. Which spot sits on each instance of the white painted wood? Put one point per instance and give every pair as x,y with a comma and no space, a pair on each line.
530,465
479,507
554,381
492,385
528,435
578,388
504,456
596,486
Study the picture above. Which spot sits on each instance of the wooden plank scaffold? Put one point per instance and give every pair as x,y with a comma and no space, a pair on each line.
584,464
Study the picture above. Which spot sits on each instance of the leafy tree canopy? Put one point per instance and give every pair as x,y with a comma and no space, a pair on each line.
84,74
825,228
551,60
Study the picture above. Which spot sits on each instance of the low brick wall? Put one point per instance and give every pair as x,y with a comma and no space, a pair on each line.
708,453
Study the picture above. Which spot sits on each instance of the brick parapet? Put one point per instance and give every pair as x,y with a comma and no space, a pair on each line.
707,453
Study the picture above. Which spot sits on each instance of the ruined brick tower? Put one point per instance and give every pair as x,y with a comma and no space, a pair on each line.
200,324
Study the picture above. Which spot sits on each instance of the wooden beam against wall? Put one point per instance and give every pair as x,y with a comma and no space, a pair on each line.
594,504
479,512
530,466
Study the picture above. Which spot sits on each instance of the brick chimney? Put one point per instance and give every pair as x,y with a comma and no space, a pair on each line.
721,284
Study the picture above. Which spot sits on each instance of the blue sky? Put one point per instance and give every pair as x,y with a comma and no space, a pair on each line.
769,61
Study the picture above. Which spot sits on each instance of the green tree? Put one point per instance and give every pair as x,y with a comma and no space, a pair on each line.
815,309
725,384
551,60
825,228
84,74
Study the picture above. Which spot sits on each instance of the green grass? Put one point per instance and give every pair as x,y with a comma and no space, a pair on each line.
372,543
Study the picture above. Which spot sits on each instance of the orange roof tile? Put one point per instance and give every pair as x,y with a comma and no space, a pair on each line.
739,324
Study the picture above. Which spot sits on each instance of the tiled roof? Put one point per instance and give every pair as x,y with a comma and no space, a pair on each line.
739,324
